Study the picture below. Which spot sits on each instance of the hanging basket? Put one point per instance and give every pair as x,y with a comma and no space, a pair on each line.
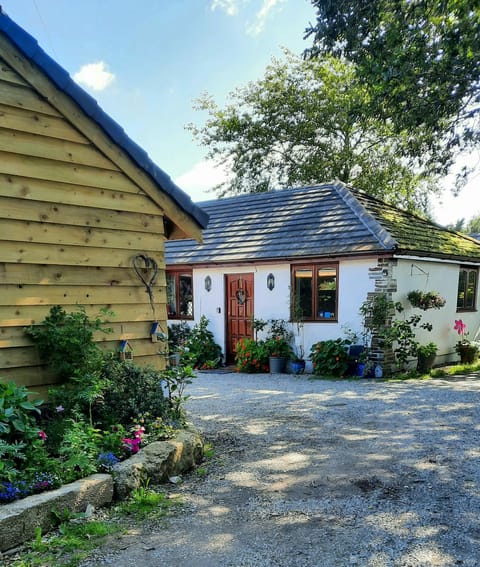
426,299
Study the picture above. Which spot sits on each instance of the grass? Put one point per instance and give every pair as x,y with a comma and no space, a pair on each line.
147,503
77,535
456,370
72,543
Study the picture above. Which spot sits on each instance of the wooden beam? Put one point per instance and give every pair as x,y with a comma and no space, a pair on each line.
20,316
9,75
61,295
79,216
33,253
37,274
46,233
28,144
40,124
64,193
91,130
22,96
50,170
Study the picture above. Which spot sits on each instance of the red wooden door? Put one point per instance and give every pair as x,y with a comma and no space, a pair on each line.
239,310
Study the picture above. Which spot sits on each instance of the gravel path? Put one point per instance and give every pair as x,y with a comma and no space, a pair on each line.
324,473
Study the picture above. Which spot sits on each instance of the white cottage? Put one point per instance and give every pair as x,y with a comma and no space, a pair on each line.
324,249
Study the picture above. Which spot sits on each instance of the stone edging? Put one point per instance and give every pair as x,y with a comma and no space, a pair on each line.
157,462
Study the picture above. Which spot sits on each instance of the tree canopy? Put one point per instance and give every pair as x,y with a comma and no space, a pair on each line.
304,122
419,61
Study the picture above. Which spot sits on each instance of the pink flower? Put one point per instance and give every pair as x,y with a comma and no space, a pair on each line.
132,445
460,327
42,435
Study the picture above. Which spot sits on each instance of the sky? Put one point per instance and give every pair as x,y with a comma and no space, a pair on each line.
146,62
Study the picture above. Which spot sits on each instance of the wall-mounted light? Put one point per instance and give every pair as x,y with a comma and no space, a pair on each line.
208,283
270,281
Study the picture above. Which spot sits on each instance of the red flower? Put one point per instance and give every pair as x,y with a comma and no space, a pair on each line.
42,435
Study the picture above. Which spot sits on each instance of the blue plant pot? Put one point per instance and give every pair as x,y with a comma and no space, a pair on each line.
297,366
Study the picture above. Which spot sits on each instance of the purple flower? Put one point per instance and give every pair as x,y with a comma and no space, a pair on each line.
60,408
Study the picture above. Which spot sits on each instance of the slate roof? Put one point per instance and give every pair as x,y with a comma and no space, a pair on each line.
30,48
309,222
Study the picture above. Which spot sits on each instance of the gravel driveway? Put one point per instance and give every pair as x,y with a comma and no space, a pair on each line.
324,473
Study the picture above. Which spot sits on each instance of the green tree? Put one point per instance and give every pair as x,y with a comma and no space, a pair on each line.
473,225
304,122
420,64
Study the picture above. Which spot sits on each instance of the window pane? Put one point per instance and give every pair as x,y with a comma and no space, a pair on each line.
326,293
303,293
461,289
171,295
470,300
186,295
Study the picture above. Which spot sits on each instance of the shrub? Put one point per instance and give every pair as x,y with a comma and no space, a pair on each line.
251,356
201,349
330,357
133,392
178,333
65,343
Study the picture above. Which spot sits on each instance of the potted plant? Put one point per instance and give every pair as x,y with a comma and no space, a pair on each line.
330,358
297,362
278,345
467,350
426,299
426,357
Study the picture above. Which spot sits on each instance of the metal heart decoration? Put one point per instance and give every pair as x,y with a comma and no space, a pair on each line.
241,296
146,269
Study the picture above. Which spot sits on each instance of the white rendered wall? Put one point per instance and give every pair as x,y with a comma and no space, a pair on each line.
353,282
441,277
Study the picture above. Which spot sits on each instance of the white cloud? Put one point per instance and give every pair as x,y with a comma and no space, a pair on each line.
95,76
230,7
257,26
201,178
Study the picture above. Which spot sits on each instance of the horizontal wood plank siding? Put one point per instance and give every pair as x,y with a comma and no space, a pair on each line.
71,223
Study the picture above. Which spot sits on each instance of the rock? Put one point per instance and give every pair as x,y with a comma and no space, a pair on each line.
19,519
157,462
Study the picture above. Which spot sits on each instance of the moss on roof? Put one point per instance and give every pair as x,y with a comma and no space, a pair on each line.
416,235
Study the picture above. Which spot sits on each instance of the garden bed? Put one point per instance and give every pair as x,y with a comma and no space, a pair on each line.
20,520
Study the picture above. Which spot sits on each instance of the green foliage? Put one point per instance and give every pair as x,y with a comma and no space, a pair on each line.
305,122
176,380
200,349
133,390
330,357
145,502
473,225
75,538
402,338
16,411
79,450
279,338
22,451
65,342
427,350
251,356
426,299
419,63
178,333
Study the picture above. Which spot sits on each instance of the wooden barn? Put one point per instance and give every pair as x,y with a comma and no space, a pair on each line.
84,213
